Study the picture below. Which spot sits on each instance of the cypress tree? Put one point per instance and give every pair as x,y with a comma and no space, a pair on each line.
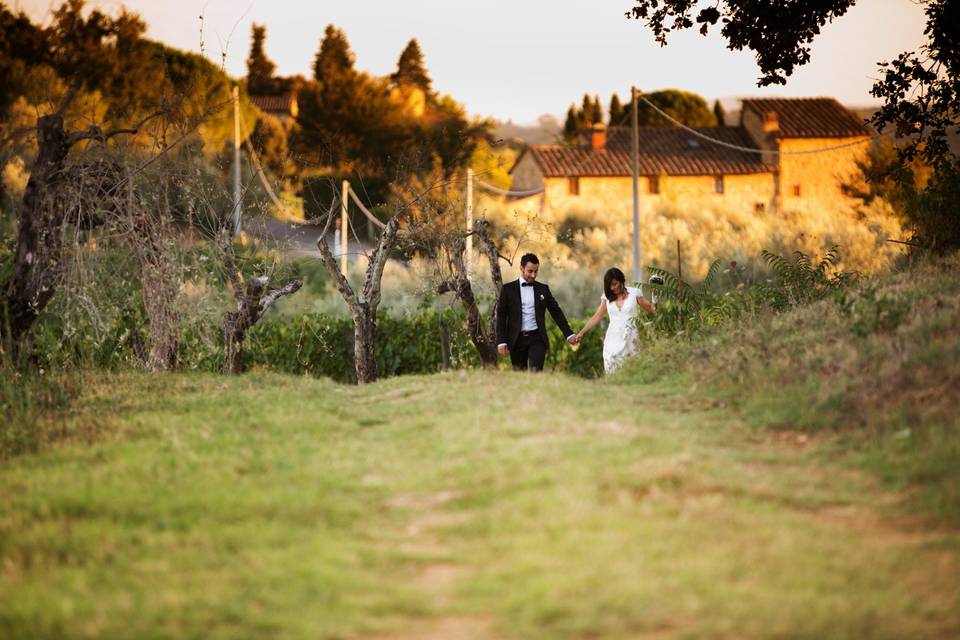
586,111
334,57
572,125
410,67
597,111
719,113
259,68
617,112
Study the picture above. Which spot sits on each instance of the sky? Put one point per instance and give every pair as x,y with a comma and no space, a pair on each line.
519,59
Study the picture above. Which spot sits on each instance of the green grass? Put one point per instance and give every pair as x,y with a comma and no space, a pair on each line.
270,506
785,477
878,367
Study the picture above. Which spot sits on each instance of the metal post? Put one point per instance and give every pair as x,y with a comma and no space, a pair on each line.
336,238
469,256
679,262
236,160
344,223
637,269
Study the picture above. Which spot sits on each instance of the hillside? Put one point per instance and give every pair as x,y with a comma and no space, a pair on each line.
795,475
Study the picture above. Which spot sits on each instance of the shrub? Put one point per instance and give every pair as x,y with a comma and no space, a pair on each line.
934,211
869,312
799,281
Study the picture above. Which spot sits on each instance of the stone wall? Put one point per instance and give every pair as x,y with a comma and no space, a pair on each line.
819,177
743,192
526,174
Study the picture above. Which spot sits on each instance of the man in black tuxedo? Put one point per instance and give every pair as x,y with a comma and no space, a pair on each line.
520,318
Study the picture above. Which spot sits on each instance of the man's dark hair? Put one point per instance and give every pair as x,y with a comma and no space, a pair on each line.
528,257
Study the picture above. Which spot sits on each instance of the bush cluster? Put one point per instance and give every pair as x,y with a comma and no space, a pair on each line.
305,344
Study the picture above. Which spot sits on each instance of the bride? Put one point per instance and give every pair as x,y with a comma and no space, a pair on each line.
620,302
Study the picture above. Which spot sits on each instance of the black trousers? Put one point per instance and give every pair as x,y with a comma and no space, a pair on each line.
528,352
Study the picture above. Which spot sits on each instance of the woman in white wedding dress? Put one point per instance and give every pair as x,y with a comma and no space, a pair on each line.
620,302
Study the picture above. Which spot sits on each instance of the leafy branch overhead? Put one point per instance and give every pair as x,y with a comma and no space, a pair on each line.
779,33
920,89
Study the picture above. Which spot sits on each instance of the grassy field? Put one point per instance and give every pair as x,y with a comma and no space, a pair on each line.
758,482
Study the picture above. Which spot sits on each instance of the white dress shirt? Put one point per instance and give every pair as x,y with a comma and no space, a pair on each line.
528,309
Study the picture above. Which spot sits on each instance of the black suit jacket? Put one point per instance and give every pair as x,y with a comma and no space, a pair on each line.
510,312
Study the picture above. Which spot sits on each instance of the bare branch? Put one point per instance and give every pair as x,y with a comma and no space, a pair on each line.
330,263
136,128
275,294
493,255
92,133
371,288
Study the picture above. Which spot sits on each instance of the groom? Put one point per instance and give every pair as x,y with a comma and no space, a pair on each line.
520,318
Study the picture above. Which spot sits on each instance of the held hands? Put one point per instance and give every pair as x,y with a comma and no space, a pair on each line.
502,349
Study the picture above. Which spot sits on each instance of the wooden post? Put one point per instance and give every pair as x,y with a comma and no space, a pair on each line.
681,290
236,160
679,264
344,224
469,250
637,269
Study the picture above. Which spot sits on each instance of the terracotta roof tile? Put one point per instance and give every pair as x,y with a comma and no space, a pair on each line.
274,104
809,117
662,151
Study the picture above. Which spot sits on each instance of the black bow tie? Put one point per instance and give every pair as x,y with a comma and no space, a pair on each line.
526,284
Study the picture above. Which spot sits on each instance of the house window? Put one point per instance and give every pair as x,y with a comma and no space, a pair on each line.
759,208
718,184
796,190
573,186
654,184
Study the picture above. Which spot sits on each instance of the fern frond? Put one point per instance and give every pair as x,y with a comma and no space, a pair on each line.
830,259
711,275
780,265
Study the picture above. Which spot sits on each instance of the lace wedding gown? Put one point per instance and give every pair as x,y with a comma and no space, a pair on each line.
620,341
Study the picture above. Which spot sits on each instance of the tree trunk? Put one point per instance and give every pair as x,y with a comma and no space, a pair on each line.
153,246
483,338
158,273
36,262
485,344
233,335
251,305
236,323
364,332
363,307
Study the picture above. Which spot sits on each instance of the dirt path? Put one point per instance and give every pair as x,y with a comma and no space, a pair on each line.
438,578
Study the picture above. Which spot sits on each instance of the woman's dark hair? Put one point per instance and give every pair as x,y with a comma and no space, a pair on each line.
528,257
613,274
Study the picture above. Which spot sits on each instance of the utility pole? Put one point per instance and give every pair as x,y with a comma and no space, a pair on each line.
236,160
469,256
637,269
344,223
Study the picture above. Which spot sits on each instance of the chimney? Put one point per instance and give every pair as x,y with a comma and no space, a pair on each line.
598,138
770,122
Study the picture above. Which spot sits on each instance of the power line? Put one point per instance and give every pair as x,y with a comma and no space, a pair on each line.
507,192
747,149
365,211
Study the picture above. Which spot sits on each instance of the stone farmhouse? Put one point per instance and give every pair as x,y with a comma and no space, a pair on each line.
677,166
284,106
